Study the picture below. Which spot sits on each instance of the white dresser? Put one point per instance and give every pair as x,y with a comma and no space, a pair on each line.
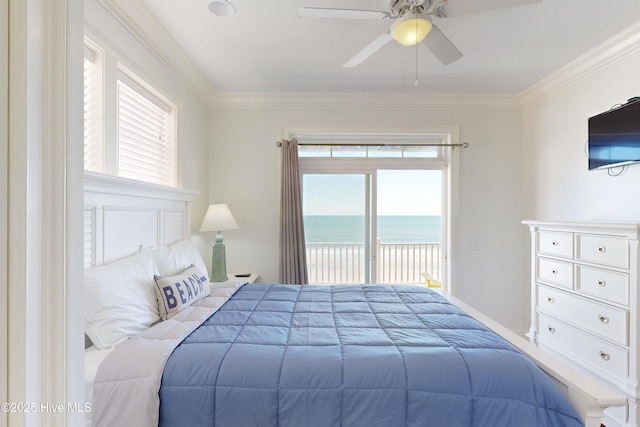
584,302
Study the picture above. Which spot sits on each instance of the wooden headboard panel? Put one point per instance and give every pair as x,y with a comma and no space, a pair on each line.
121,214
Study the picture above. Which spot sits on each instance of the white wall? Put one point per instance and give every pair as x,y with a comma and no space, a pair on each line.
246,175
557,182
4,202
193,168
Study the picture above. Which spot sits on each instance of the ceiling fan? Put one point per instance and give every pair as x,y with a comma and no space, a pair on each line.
413,23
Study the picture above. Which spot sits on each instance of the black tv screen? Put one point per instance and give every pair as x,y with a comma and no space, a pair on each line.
614,136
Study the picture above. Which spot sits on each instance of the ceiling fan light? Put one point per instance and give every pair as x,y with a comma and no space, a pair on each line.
411,29
222,8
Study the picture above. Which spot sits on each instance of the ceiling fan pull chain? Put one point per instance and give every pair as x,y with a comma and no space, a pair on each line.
402,92
417,82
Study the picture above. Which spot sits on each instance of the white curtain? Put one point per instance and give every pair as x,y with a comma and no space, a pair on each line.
293,257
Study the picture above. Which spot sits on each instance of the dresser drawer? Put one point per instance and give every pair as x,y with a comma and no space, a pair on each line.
605,284
555,243
555,272
605,250
600,319
601,355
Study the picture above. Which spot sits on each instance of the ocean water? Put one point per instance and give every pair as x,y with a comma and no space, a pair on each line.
391,229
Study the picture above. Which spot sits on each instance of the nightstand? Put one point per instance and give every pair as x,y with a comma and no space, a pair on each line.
231,278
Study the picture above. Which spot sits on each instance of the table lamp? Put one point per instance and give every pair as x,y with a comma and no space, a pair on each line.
218,218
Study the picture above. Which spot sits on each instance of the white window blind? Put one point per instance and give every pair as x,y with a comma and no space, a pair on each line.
93,147
146,137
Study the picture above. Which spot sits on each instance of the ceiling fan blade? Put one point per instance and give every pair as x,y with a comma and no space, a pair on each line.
441,46
320,12
468,7
369,50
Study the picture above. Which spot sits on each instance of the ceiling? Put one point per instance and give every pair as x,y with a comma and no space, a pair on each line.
266,47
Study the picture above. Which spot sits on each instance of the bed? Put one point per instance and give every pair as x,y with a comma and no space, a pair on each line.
289,355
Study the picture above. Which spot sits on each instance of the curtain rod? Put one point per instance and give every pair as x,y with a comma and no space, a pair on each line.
463,145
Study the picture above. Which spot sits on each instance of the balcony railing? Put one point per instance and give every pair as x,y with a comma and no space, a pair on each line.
332,263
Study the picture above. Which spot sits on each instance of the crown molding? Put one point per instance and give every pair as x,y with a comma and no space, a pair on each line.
136,17
615,49
374,101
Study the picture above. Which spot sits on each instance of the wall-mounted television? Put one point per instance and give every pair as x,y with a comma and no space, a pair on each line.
614,136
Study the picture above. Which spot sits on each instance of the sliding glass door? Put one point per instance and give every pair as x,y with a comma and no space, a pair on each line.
375,205
379,226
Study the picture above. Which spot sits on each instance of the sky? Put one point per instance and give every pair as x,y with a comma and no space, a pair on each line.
400,192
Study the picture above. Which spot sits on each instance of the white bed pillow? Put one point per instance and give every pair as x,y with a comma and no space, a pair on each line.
179,290
119,300
178,256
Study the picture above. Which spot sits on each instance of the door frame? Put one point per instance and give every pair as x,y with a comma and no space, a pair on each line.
4,202
451,133
45,339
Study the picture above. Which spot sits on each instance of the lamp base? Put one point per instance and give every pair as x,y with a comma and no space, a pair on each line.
218,264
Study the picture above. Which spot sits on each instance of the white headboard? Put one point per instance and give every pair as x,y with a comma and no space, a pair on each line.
121,214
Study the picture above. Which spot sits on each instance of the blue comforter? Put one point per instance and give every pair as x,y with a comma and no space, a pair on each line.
304,356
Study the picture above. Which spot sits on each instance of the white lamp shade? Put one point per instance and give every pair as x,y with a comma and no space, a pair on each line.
411,29
218,218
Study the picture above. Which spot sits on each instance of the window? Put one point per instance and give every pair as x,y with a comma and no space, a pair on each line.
145,134
139,123
381,151
371,146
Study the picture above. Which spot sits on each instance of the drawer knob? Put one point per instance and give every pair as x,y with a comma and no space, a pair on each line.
602,249
551,299
605,356
551,329
602,283
603,319
554,243
554,271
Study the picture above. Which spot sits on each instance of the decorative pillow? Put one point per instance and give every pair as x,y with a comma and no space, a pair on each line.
119,300
180,290
178,256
